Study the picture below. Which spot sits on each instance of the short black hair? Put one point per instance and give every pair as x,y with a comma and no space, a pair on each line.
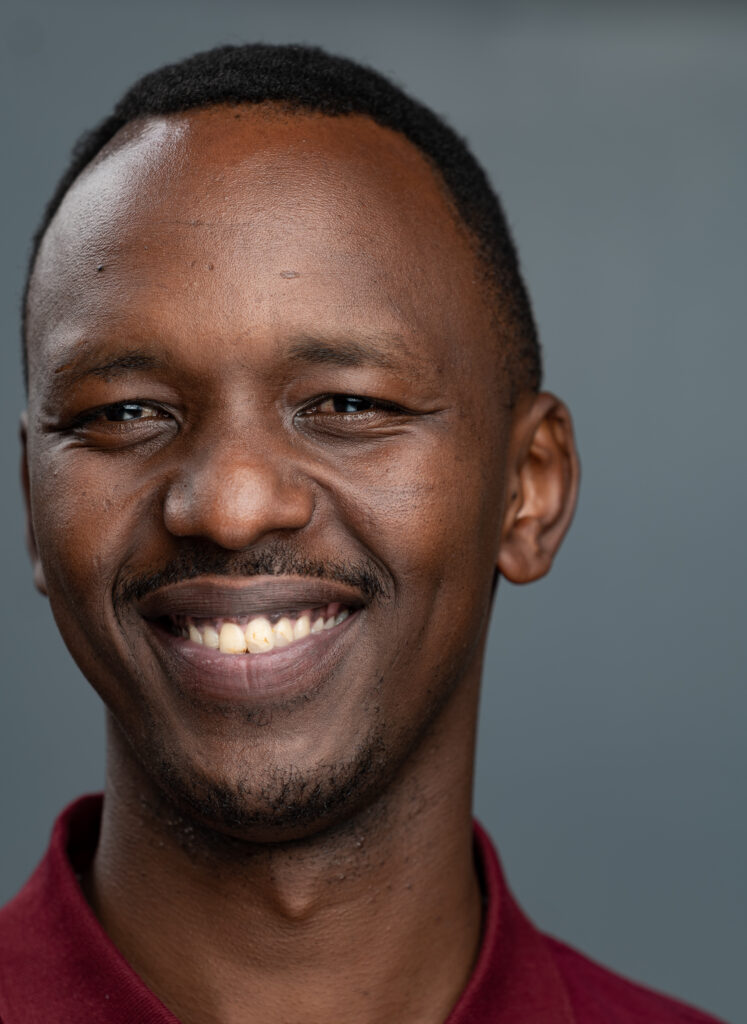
306,78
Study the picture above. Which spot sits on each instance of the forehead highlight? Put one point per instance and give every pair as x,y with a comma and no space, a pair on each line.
212,148
136,179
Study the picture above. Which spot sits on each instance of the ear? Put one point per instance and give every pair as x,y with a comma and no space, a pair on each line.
542,486
39,581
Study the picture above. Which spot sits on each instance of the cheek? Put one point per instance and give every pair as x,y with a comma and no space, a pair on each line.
432,515
85,523
88,525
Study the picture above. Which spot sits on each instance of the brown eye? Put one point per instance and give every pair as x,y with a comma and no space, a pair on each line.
116,426
347,404
125,411
119,413
347,416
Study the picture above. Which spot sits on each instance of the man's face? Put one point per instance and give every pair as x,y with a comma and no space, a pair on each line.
261,358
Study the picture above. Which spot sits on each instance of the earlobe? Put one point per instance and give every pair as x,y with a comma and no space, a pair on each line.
39,581
542,487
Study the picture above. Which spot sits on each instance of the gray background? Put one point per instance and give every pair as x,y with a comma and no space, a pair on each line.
612,755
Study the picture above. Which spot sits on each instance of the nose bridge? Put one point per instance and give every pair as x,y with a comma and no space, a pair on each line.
237,481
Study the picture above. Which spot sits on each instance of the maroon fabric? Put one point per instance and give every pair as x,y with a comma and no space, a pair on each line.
57,964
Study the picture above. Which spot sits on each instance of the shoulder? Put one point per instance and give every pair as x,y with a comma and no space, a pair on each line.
600,996
20,938
45,947
558,981
20,926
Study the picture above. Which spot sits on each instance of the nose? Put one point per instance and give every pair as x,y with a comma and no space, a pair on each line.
234,493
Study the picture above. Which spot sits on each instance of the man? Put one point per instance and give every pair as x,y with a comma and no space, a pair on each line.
284,432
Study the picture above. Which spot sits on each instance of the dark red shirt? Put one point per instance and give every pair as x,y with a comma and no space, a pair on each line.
57,965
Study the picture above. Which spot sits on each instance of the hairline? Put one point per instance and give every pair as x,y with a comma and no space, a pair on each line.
129,130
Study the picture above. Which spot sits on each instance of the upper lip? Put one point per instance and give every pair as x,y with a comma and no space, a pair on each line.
211,597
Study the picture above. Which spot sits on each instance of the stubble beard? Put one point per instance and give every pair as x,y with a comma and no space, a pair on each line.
278,804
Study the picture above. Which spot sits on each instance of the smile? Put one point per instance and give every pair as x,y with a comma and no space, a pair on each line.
261,638
259,634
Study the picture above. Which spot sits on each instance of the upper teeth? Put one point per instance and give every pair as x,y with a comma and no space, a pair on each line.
258,635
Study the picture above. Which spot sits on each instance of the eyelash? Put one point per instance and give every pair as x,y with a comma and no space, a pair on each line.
375,406
86,418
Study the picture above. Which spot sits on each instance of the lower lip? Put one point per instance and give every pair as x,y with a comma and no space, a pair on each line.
298,669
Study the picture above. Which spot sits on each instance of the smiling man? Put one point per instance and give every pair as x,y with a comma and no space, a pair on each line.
284,433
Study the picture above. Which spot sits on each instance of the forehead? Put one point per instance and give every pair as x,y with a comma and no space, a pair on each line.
212,214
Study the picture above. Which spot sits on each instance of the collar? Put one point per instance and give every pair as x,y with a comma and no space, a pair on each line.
515,979
57,963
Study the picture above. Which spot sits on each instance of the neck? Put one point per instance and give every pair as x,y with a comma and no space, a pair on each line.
375,920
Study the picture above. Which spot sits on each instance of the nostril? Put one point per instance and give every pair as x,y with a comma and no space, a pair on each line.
236,506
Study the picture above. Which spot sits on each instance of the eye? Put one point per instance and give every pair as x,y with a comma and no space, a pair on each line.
121,425
345,405
120,412
124,411
352,416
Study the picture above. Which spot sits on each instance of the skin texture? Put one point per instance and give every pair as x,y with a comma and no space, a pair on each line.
298,854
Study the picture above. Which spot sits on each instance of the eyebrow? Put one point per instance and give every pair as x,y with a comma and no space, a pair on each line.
72,371
123,363
343,352
310,350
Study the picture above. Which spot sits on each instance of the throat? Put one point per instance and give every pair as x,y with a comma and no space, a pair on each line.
350,924
380,916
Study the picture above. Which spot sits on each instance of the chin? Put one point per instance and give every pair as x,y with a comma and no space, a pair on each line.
275,804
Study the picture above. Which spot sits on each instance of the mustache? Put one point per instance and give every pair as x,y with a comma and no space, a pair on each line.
275,560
